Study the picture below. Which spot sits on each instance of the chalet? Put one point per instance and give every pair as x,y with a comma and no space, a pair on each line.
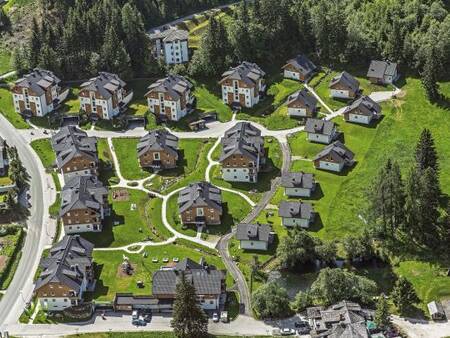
171,44
382,72
299,68
320,131
158,150
344,86
334,157
254,236
344,319
301,104
76,153
37,93
201,204
84,205
296,214
243,85
67,273
363,110
209,283
104,96
242,153
298,184
170,98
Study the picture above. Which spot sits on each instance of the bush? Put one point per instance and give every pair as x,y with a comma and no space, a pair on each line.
271,301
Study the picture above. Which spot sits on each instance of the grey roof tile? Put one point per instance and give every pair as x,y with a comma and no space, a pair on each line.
200,194
158,140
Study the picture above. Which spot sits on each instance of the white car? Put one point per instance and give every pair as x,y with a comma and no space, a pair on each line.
287,332
215,317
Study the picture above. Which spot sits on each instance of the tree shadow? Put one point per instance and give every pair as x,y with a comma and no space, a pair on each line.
225,225
100,288
317,224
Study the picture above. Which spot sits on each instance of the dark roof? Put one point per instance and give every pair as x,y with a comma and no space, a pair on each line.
304,97
302,63
353,330
174,85
242,139
67,263
364,106
200,194
72,142
338,152
106,84
297,180
207,280
378,69
317,126
253,232
3,153
82,192
38,81
346,80
158,140
171,34
288,209
248,72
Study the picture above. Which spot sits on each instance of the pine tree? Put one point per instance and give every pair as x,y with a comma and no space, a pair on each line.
19,60
426,155
382,315
430,74
35,44
403,294
114,54
413,224
429,205
189,320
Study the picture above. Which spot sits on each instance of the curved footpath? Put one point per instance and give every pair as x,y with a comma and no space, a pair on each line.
39,227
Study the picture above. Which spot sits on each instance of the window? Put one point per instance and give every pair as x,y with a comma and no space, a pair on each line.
200,212
156,156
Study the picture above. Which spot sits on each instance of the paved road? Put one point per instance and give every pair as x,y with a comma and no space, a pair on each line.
6,75
12,303
415,328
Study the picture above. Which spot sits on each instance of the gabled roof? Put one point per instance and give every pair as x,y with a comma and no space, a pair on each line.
346,80
200,194
247,72
171,34
72,142
206,279
253,232
364,106
38,81
242,139
297,180
67,263
174,85
158,140
379,69
105,84
354,330
338,151
302,63
317,126
82,192
303,97
288,209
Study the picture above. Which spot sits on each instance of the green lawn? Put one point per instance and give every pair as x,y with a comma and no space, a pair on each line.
154,216
106,164
271,111
7,109
5,61
139,335
125,226
17,3
324,92
71,105
235,208
138,105
11,251
110,279
300,146
271,170
207,101
126,152
44,150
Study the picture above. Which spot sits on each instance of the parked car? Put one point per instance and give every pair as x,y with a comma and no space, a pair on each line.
224,317
287,332
148,318
138,322
135,315
215,317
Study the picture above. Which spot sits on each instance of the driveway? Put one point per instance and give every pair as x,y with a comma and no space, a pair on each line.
415,328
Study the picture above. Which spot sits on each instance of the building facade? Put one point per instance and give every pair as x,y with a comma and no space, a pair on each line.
334,157
298,184
344,86
382,72
296,214
299,68
363,111
320,131
301,104
104,96
158,150
172,45
243,153
254,236
37,93
243,86
170,98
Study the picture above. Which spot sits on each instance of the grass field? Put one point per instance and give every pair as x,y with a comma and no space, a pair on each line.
5,61
126,152
208,101
7,109
153,213
10,251
271,111
139,335
126,225
43,149
110,279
